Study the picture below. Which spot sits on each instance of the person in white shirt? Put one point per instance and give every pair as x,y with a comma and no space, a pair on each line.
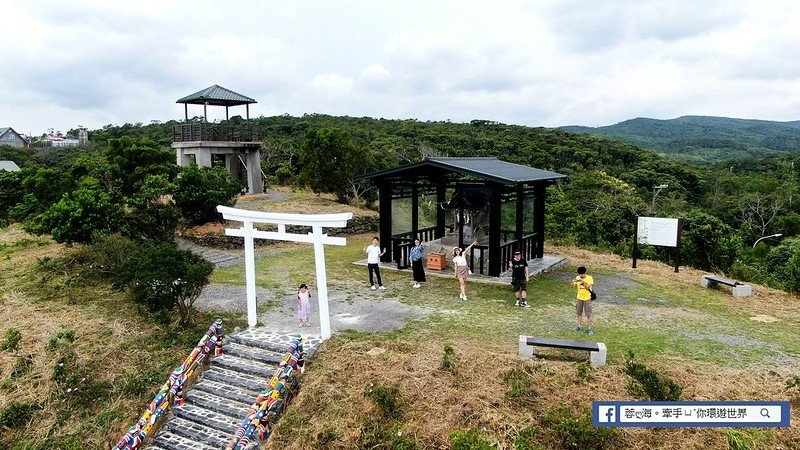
461,268
374,254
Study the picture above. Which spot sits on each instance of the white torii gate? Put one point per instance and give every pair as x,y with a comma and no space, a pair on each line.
316,237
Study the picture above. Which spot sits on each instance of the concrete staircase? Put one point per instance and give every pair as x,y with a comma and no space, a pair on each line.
215,405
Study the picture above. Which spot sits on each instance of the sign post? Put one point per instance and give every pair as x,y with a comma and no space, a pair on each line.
316,237
661,231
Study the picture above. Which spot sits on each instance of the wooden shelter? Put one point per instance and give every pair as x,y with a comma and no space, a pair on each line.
453,201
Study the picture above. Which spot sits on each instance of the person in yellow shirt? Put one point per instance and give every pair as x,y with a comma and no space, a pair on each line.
583,306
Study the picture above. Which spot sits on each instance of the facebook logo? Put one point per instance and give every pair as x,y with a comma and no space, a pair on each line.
606,414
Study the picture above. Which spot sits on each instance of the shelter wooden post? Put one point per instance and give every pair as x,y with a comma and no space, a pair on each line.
539,199
440,218
385,211
414,209
494,229
520,217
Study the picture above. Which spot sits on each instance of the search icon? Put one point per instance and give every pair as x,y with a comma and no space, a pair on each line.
765,413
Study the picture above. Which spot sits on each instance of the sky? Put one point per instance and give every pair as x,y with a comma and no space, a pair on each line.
536,63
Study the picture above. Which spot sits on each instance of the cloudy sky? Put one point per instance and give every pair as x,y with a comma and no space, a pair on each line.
537,62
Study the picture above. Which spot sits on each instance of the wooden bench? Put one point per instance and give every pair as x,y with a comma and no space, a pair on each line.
597,350
739,289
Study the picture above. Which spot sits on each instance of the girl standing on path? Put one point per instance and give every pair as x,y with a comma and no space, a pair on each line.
304,305
416,263
461,268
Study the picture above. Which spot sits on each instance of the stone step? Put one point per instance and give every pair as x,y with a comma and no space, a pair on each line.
276,342
170,441
210,419
218,404
227,376
228,391
198,433
249,352
245,366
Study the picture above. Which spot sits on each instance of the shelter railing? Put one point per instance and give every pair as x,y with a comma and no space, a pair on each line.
527,245
220,132
402,242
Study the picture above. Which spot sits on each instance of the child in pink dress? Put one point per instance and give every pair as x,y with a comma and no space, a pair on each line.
304,305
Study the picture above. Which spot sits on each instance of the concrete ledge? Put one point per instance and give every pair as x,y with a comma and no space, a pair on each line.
598,358
742,290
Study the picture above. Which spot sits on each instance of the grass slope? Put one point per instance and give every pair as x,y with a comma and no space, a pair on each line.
87,361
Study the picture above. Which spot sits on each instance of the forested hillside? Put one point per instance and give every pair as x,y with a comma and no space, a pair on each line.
725,207
703,138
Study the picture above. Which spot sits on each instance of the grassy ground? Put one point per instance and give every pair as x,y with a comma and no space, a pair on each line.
704,339
451,379
86,362
456,371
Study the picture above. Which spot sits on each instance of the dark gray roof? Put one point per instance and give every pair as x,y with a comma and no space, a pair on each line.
3,130
218,96
488,168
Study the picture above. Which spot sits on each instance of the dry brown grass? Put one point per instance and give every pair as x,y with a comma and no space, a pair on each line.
474,394
113,341
332,411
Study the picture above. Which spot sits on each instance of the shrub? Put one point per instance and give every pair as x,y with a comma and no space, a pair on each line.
737,441
107,255
199,190
16,414
471,439
387,399
80,216
152,214
152,221
163,277
520,384
62,339
527,439
447,358
577,432
649,383
11,340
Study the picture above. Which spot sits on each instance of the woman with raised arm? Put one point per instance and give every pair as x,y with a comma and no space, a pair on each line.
461,268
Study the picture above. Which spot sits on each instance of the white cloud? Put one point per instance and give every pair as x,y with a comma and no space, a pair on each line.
550,62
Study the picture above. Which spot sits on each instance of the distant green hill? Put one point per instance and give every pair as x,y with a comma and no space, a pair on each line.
703,138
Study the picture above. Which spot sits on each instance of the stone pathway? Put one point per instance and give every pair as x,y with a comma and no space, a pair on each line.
217,403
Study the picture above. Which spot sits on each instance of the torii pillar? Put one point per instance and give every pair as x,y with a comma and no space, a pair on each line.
316,237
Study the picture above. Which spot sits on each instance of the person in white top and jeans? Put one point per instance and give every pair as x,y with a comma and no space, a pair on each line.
462,270
374,254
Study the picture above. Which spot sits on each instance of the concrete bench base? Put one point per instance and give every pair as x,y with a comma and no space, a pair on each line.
596,358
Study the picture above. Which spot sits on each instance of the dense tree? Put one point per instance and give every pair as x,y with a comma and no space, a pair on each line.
132,161
80,216
199,190
330,162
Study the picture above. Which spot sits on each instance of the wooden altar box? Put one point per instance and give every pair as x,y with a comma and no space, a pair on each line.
437,261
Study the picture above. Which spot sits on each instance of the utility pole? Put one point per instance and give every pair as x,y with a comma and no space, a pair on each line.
656,190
